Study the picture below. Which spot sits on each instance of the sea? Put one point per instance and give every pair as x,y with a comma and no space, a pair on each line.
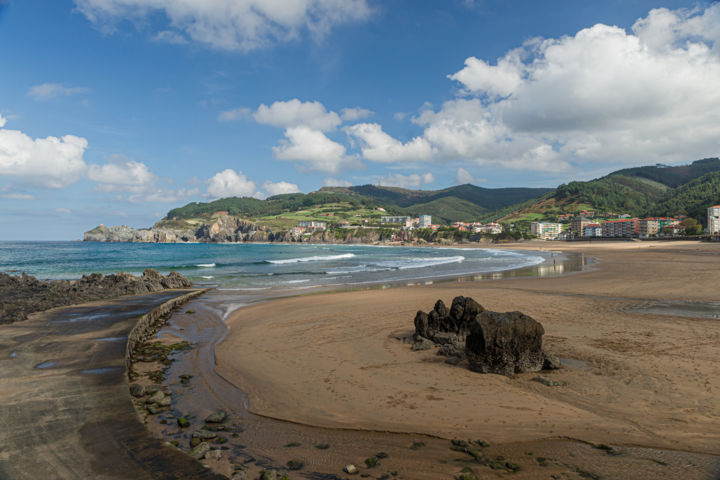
254,267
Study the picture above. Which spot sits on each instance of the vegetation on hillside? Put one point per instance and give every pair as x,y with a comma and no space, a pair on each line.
460,203
691,199
640,191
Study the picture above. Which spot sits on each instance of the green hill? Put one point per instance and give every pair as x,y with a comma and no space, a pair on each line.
463,202
460,203
636,191
691,199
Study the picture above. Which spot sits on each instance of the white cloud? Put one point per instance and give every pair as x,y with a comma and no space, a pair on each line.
230,183
414,180
355,114
129,176
462,177
279,188
314,150
64,211
603,96
230,115
295,113
229,24
46,91
499,80
378,146
44,162
17,196
3,121
336,182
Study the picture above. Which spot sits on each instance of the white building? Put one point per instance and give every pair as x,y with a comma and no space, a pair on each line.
546,230
714,220
312,225
395,219
492,228
424,221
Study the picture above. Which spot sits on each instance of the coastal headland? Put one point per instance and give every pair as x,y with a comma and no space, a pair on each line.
640,361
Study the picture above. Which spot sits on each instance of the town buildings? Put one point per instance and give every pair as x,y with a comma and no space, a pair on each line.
490,228
424,221
312,225
624,228
395,219
578,223
546,230
592,230
713,214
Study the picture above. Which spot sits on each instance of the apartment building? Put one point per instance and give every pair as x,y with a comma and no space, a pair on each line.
546,230
624,228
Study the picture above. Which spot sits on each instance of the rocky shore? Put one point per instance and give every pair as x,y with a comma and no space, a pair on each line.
229,229
21,295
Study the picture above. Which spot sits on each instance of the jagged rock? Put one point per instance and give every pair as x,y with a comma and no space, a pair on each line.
549,383
214,454
505,343
216,417
156,397
200,450
137,390
350,469
551,362
268,475
23,294
422,344
443,325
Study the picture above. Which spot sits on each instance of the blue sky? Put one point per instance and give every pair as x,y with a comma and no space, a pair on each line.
115,111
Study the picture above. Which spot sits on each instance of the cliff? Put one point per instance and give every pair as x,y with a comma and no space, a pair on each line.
227,229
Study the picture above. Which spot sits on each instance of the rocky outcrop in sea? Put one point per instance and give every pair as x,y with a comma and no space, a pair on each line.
491,342
21,295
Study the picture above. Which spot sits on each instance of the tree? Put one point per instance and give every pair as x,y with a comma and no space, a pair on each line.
692,227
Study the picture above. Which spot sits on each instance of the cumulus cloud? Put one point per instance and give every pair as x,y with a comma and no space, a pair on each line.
295,113
462,177
235,114
230,183
378,146
46,91
242,25
43,162
414,180
498,80
603,96
314,150
355,114
279,188
129,176
3,121
336,182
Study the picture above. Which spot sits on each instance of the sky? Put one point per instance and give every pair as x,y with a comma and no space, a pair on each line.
115,111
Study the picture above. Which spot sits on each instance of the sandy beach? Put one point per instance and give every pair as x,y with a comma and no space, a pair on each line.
634,379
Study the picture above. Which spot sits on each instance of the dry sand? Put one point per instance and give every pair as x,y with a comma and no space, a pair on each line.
333,360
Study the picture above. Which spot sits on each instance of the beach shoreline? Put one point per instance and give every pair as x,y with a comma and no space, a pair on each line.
337,354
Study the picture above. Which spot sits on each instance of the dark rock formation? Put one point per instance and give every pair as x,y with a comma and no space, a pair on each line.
492,342
505,343
25,294
444,325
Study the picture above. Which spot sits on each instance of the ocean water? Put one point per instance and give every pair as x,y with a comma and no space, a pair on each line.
259,267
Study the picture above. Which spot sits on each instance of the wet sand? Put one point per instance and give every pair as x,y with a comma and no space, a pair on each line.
642,381
65,409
